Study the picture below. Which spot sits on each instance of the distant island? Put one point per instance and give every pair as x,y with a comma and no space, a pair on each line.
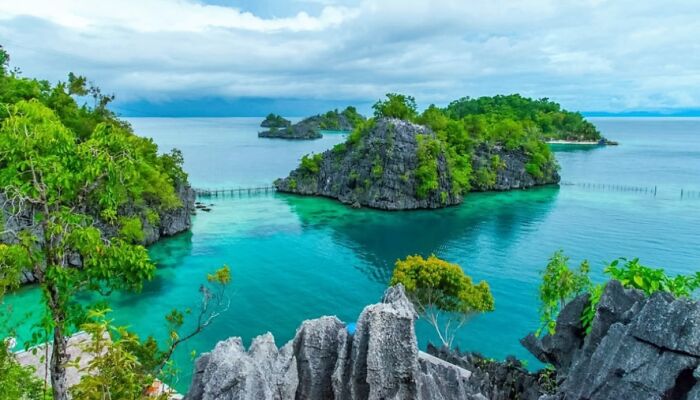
275,121
311,127
402,160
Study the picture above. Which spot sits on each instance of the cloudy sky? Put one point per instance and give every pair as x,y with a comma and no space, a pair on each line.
247,57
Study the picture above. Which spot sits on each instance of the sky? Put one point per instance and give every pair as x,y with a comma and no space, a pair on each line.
297,57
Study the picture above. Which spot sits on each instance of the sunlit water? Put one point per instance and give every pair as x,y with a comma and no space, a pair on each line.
295,258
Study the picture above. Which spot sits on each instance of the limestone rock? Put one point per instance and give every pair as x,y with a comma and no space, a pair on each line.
378,169
639,348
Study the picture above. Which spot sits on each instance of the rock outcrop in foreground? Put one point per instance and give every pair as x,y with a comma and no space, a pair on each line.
324,361
639,348
379,170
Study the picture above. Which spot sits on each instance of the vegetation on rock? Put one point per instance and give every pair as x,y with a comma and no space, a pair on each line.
542,117
311,127
560,284
442,157
442,293
275,121
68,171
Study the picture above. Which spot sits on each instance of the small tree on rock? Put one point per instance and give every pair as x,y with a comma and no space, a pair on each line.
442,293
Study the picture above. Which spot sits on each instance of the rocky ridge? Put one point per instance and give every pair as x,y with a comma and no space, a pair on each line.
378,170
640,348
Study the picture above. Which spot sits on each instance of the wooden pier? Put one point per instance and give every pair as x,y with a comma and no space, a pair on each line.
248,191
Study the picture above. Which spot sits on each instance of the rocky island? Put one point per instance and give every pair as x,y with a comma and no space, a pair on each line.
400,160
640,347
311,127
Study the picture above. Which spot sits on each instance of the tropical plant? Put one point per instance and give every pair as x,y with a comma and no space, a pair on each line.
560,284
650,280
396,106
124,367
442,293
16,381
64,170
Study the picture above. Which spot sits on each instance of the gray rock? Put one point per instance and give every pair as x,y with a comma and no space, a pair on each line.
380,361
639,348
229,372
377,169
316,347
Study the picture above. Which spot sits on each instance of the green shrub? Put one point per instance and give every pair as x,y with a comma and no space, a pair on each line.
311,164
426,173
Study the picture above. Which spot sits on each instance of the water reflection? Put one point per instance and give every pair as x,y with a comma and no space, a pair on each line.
380,237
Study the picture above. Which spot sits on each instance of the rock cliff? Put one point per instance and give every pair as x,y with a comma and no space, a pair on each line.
639,348
379,169
380,360
170,222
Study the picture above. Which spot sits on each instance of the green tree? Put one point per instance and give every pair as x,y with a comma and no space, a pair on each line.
126,367
442,293
396,106
65,184
559,285
17,382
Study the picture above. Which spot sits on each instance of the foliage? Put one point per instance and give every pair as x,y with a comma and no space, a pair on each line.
65,168
125,366
542,115
311,164
442,293
18,382
396,106
275,121
559,285
650,280
426,172
588,313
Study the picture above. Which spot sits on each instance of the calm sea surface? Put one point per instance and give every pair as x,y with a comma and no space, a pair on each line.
295,258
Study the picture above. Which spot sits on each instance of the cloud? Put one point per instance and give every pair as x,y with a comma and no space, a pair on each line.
589,55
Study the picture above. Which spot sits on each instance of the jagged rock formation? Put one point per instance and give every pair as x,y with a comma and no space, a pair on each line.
494,379
639,348
380,360
170,223
311,127
378,169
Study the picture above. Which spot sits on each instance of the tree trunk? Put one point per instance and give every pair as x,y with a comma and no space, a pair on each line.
59,358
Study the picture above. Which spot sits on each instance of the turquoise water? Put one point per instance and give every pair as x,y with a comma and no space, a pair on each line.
295,258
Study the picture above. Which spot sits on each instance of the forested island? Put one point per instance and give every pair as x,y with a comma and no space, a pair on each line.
311,127
402,159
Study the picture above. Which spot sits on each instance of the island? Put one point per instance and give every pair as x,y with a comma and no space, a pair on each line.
311,127
401,160
554,124
275,121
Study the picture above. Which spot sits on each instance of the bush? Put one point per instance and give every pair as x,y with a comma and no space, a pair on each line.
442,293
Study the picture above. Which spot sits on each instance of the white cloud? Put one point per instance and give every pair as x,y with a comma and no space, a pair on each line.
591,55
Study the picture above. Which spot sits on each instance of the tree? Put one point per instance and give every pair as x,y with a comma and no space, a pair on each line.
62,187
559,285
442,293
126,367
396,106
